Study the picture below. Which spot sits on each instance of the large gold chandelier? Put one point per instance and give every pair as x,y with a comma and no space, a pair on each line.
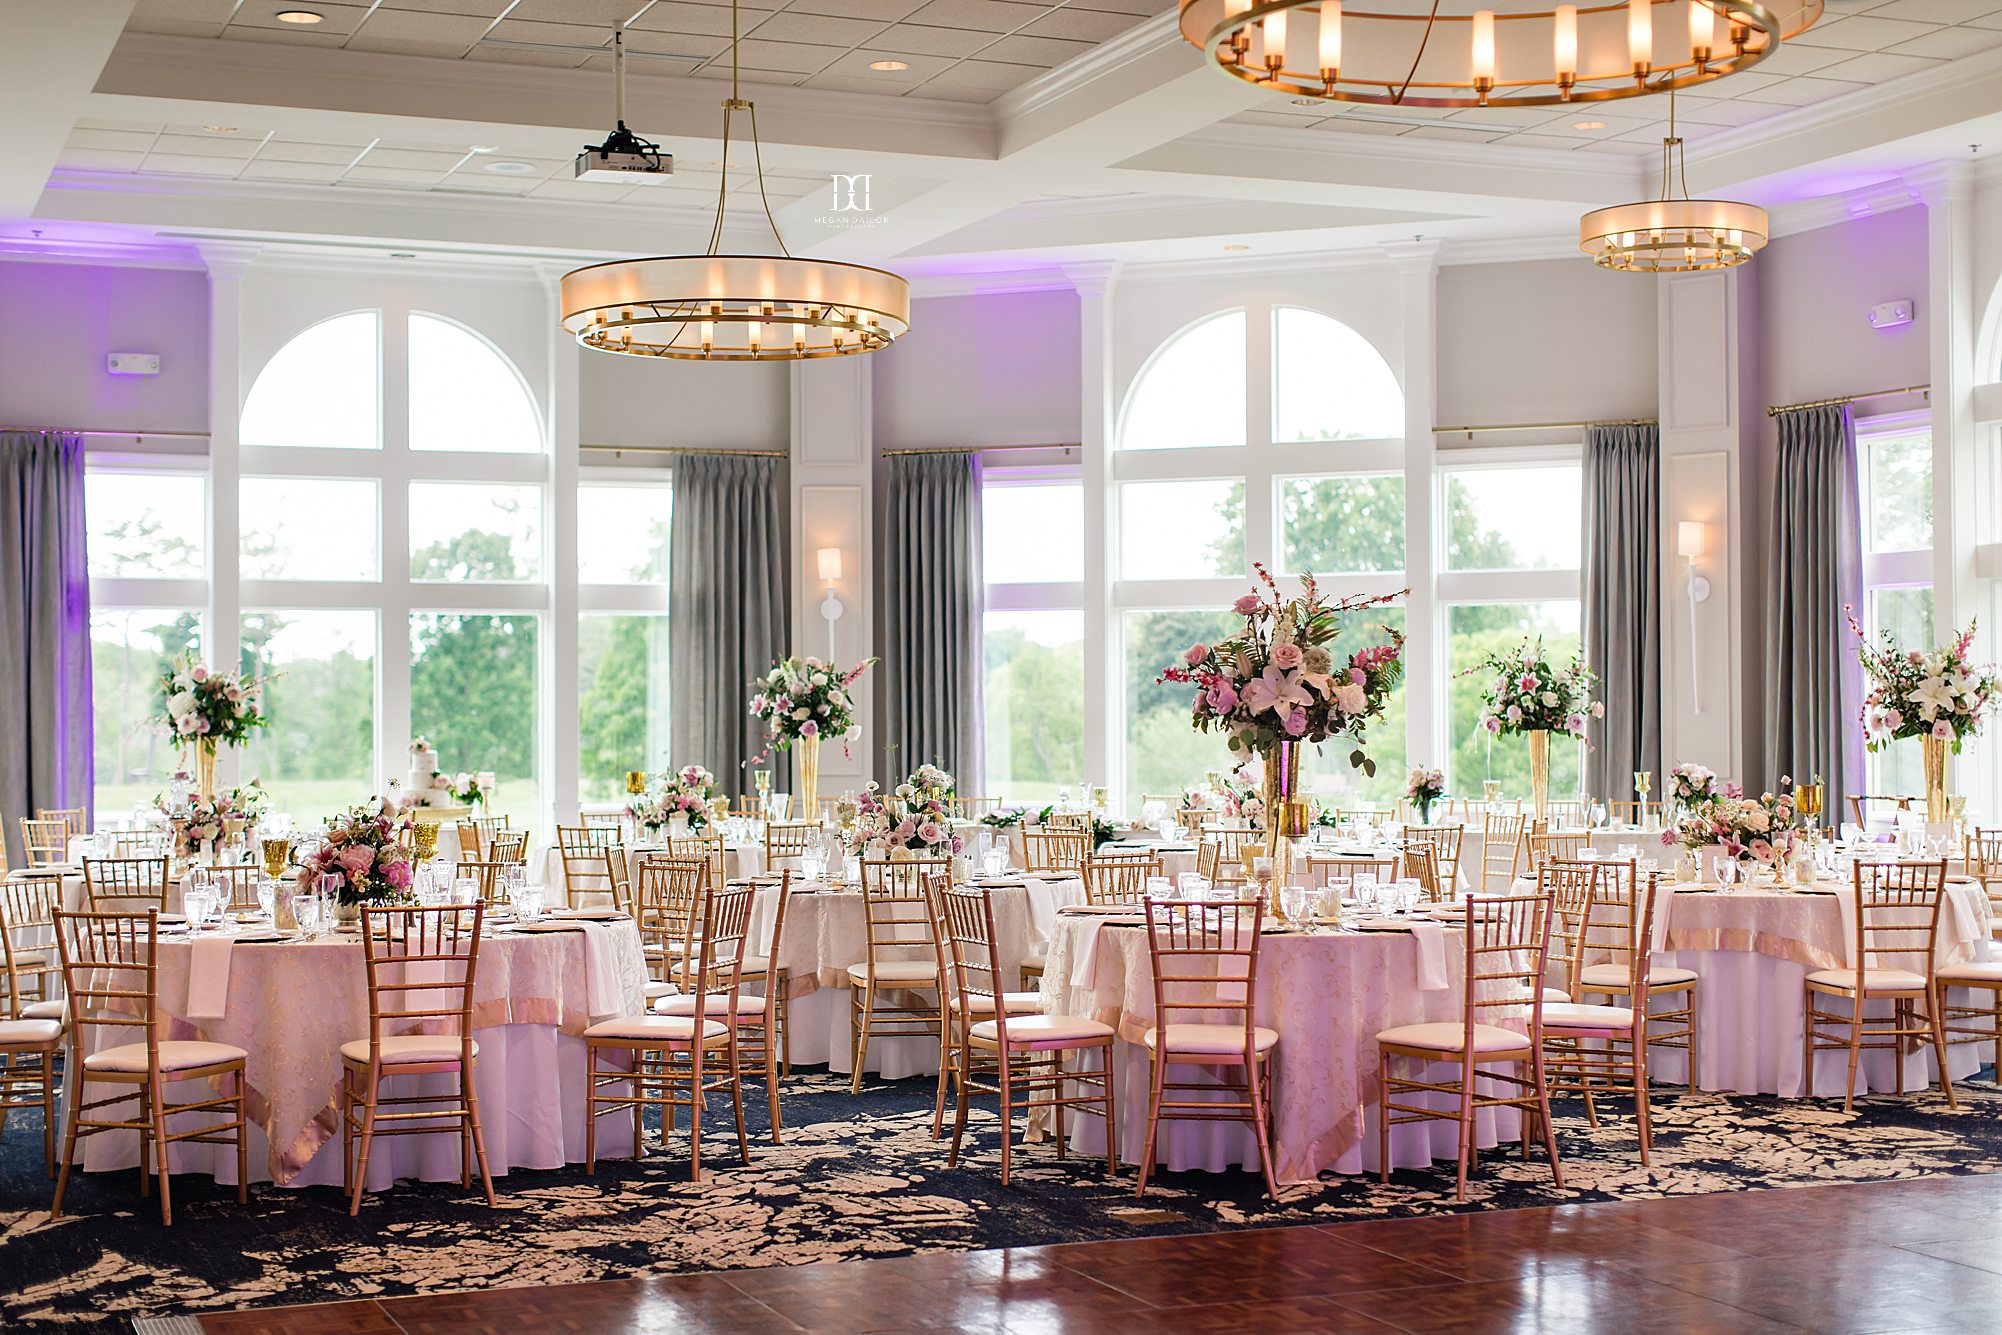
1445,53
1673,234
736,308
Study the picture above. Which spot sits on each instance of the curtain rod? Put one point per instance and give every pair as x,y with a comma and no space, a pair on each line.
1850,398
683,449
981,449
1469,431
117,435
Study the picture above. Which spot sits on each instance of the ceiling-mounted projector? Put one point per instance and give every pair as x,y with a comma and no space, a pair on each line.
624,157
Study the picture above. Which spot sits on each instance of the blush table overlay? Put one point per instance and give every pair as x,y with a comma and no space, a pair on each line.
291,1004
1752,949
1327,994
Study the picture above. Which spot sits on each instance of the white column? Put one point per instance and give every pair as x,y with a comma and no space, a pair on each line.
559,640
221,638
1425,726
833,463
394,727
1104,710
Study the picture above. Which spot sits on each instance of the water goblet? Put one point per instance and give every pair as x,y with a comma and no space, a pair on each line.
267,899
1293,904
306,911
329,885
1158,887
1409,892
1187,883
994,861
1363,889
529,902
465,891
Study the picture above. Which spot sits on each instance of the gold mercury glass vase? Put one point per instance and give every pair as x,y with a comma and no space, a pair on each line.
1539,770
809,778
1936,801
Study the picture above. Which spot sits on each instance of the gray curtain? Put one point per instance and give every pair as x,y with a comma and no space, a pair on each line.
729,606
1623,604
1814,685
933,590
45,760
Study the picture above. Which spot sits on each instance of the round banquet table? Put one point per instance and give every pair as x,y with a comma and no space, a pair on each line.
291,1004
827,930
1752,949
1328,995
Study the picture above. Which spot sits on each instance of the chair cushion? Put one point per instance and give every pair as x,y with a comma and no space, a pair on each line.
656,990
1018,1003
657,1029
1043,1031
896,971
1874,980
1036,962
1963,974
1222,1040
175,1055
715,1003
1571,1015
1449,1036
30,1031
754,965
1595,976
408,1048
1551,994
57,1009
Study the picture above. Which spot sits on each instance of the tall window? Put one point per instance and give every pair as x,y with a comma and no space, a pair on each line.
1032,527
1894,463
622,636
1297,465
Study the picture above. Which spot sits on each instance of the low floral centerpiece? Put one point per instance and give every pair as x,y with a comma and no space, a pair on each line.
1004,818
199,824
362,849
800,701
688,792
204,709
1755,829
1279,682
1938,695
914,819
1423,787
1530,696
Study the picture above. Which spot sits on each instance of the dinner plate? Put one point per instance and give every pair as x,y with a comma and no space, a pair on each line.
262,938
587,915
550,925
1382,925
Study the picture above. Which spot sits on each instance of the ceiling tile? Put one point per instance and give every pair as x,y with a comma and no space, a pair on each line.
367,171
1722,113
681,45
603,15
1464,134
1860,32
920,39
551,34
296,36
1949,43
1936,11
984,74
1141,8
1356,125
775,78
279,150
1803,92
206,146
212,13
516,55
173,27
1878,67
1530,139
789,57
487,9
184,165
821,28
1084,25
679,16
1793,58
435,161
1047,52
403,46
1737,85
984,15
99,160
264,169
885,10
855,67
404,26
338,20
941,93
130,141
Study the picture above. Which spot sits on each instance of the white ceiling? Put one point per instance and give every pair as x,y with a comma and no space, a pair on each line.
1023,136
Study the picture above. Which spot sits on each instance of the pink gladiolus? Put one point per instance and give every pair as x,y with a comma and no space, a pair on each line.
1196,654
1286,656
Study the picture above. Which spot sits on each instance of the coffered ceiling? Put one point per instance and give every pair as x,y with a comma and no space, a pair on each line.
1017,136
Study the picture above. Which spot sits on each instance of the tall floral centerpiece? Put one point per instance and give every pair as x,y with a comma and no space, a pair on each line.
362,849
203,709
1690,786
800,701
913,820
1278,683
1936,695
1530,696
1423,787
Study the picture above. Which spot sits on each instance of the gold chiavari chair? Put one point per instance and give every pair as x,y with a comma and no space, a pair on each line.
1444,840
708,846
1979,1019
1571,885
1118,878
1593,1049
1984,864
1327,870
1500,1031
1421,864
618,879
1055,848
136,843
475,834
1669,1025
114,884
1205,962
1374,817
238,882
489,876
789,839
1543,846
77,818
45,841
604,820
1502,844
896,991
508,846
1860,803
1068,820
421,965
1897,927
671,1054
1565,813
670,907
111,975
587,852
971,808
1012,1053
961,1011
759,1018
1229,842
33,975
1632,812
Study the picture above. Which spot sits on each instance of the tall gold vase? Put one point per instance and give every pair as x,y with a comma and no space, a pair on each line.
1936,800
809,778
1286,814
1539,770
205,768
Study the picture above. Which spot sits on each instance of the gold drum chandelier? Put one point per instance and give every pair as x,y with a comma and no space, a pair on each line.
736,308
1673,234
1445,53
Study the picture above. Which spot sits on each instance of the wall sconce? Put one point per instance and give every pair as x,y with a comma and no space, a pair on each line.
1689,546
828,565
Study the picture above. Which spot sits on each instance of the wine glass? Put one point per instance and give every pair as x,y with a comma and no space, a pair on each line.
329,886
1597,814
1491,791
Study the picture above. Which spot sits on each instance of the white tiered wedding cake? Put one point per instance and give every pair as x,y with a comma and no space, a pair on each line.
423,775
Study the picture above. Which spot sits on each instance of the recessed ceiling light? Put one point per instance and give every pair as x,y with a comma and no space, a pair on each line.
403,254
888,66
300,16
1237,247
220,129
1588,125
508,168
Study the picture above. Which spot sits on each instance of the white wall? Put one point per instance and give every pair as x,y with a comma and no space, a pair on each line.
981,370
1813,290
1544,341
650,401
57,323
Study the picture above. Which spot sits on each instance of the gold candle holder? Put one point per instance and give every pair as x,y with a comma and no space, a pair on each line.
635,781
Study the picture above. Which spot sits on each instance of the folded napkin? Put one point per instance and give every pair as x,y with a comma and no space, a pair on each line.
604,990
1431,938
1084,950
208,978
1664,909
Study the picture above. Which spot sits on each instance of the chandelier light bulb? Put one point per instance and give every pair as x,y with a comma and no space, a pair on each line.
1331,38
1640,35
1274,26
1702,31
1484,50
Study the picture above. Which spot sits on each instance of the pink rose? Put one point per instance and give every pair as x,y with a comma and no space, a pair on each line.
1246,605
356,859
1196,654
1350,698
1222,698
1296,721
1358,676
929,833
198,672
1576,723
1892,719
809,729
1286,655
1491,723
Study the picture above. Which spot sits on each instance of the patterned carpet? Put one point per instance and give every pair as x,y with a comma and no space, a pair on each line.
855,1178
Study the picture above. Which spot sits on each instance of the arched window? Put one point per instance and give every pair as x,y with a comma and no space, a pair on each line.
1329,382
322,390
1191,392
464,394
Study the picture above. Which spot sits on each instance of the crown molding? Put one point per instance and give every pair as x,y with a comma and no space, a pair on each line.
1609,169
1002,283
1513,250
1109,57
